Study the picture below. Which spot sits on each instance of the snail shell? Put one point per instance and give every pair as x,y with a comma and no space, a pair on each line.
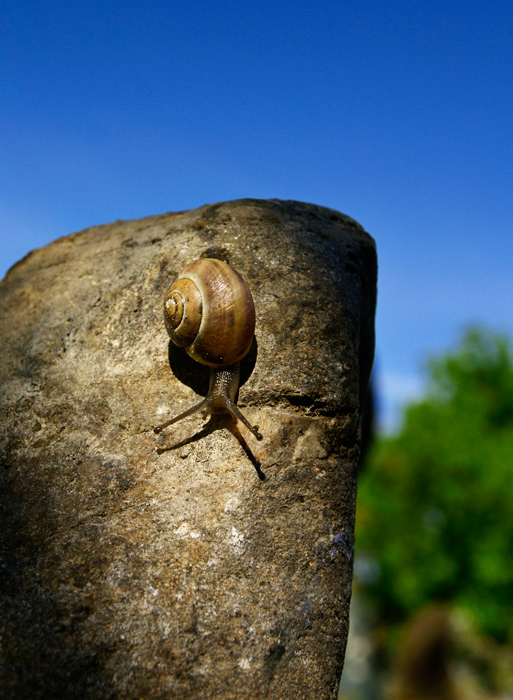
209,311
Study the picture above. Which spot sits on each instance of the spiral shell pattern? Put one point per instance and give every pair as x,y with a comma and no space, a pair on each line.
209,311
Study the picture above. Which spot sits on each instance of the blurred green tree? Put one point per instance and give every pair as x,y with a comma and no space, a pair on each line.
435,502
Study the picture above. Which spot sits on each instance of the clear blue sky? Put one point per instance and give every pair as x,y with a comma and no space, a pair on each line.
399,114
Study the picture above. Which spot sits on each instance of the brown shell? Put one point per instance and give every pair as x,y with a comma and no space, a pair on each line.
210,312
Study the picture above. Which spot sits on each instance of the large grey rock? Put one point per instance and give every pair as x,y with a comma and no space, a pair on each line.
221,568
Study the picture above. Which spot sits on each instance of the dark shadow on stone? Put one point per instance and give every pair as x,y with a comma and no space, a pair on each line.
197,376
367,425
33,620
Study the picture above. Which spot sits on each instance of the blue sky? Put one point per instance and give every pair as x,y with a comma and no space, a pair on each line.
399,114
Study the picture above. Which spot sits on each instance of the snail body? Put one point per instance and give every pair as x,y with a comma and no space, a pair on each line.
209,311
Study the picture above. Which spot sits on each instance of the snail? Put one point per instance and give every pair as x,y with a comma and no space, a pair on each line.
209,311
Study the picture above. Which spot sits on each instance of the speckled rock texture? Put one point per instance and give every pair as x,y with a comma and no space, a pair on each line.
222,567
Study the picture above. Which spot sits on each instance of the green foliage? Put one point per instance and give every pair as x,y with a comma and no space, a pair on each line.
435,503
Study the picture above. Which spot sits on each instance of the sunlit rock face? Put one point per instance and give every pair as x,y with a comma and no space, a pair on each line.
222,566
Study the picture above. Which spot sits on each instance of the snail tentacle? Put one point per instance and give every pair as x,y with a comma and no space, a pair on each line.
194,409
236,413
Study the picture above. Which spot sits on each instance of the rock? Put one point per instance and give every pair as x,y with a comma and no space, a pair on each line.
221,568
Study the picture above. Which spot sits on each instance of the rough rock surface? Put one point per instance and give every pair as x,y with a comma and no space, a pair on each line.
217,569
